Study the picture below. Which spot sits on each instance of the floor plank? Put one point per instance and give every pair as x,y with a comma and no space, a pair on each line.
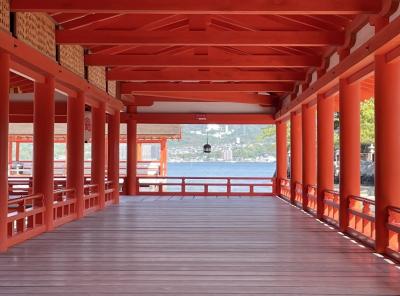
195,246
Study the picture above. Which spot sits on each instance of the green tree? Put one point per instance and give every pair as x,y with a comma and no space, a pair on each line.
367,121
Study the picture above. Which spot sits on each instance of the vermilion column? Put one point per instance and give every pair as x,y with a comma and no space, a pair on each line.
309,150
325,149
281,154
75,149
387,137
163,157
43,145
349,105
4,115
296,154
98,150
131,168
113,152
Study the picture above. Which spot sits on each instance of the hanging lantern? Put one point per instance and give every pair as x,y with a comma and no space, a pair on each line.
207,147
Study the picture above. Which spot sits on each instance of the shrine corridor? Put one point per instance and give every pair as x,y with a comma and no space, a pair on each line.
195,246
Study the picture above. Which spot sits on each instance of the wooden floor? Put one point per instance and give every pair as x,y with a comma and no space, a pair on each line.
196,246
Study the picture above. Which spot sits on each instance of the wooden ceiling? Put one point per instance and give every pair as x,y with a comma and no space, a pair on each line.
254,51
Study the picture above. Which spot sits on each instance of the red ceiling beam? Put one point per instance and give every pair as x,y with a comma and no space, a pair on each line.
231,61
214,75
267,7
244,98
200,38
132,87
192,118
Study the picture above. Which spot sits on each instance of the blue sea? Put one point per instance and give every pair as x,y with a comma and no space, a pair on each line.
221,169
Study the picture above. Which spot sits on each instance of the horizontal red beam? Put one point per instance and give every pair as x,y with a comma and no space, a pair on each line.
192,118
201,7
228,61
214,75
244,98
132,87
199,38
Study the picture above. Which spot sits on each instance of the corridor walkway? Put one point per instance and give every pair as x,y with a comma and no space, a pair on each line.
195,246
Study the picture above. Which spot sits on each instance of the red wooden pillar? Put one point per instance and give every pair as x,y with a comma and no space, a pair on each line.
139,151
387,137
98,151
349,105
43,145
325,149
131,169
309,150
75,149
281,154
113,152
295,152
4,117
163,157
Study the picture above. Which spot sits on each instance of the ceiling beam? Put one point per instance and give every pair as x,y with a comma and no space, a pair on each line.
228,61
200,38
211,76
132,87
267,7
244,98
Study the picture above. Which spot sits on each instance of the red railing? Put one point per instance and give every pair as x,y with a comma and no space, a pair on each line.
25,218
298,194
64,206
362,218
331,206
206,186
312,198
393,226
91,197
109,192
285,189
19,186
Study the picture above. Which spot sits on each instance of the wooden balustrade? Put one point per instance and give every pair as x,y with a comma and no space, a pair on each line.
298,194
312,199
25,218
91,197
331,206
362,218
109,192
206,186
285,189
393,226
64,206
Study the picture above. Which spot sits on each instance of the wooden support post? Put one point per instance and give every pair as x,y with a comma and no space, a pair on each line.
309,150
75,149
139,147
349,105
98,151
131,151
113,152
281,154
387,138
325,149
4,117
296,154
43,146
163,157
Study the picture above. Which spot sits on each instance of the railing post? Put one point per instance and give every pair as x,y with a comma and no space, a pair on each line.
75,149
131,168
309,150
43,146
325,149
98,151
113,153
281,154
4,115
349,106
387,168
295,147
